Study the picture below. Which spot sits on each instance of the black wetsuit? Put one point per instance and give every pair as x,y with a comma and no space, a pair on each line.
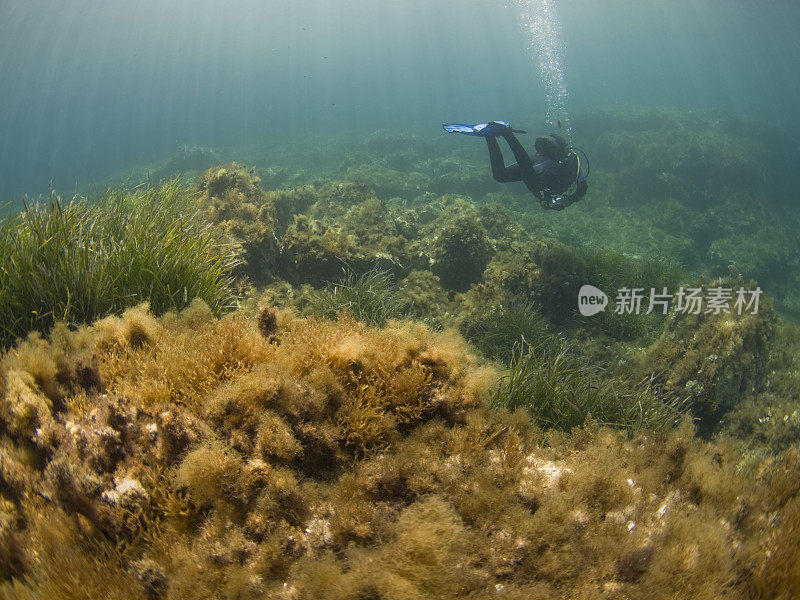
546,176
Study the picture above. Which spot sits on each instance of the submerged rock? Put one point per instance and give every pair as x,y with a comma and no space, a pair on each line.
460,252
244,214
714,360
352,461
186,159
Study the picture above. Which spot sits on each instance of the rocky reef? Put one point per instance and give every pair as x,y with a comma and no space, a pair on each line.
289,457
460,251
233,201
187,160
714,360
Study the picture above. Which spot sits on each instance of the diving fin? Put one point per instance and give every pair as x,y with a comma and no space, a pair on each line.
489,129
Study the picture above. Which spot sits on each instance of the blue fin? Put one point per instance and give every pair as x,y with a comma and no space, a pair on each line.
489,129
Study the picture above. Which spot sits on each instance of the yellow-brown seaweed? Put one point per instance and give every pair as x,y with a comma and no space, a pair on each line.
350,461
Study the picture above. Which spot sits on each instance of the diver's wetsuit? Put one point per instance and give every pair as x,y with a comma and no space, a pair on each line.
545,176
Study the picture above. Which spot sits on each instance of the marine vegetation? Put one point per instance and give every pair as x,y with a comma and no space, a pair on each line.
765,420
460,250
313,251
713,360
422,297
317,444
561,391
549,274
195,457
499,330
77,260
345,227
371,298
544,272
612,271
231,199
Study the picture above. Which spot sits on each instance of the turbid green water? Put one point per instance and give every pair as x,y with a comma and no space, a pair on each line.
93,87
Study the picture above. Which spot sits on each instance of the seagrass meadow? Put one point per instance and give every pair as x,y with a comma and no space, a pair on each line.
276,324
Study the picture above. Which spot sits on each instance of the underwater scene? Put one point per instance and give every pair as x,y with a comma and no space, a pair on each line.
411,300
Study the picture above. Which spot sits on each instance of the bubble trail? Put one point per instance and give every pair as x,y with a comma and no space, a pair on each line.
539,18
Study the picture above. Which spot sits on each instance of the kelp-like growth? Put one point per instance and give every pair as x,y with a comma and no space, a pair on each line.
282,457
76,261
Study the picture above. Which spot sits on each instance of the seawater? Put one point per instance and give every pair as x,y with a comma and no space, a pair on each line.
92,87
540,20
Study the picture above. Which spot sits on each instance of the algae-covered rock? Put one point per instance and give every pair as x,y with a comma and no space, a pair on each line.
561,273
508,279
714,359
333,460
546,273
666,153
388,165
335,198
388,183
460,249
291,202
767,423
345,228
313,251
502,225
375,228
421,295
233,201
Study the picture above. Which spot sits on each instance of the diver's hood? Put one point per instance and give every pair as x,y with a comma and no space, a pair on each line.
553,147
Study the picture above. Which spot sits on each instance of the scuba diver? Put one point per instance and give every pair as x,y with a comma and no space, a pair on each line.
556,175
